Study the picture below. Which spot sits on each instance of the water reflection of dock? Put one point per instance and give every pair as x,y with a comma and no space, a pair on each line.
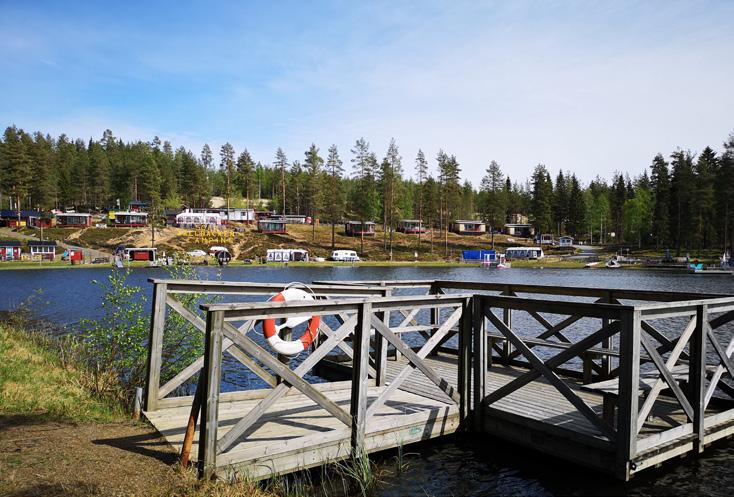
616,380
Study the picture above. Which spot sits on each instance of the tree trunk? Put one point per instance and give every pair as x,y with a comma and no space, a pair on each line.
333,235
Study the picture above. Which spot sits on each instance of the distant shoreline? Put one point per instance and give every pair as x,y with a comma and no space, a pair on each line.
16,266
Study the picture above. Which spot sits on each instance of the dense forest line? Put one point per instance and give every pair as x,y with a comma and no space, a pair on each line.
684,202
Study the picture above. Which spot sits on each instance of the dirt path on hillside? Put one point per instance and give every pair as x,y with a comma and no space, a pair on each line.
48,458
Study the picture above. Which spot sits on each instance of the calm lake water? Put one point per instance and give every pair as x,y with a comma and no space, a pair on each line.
454,465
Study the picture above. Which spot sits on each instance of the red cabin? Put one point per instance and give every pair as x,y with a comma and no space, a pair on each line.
10,250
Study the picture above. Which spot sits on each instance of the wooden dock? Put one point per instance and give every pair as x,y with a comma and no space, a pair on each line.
613,379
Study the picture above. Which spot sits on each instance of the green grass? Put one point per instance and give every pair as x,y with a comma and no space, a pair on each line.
34,380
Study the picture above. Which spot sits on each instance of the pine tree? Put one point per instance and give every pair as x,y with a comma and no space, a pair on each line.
207,158
725,196
16,167
576,208
705,198
448,170
542,199
619,196
246,176
314,185
281,163
334,191
682,191
364,195
560,203
421,170
660,187
391,182
494,197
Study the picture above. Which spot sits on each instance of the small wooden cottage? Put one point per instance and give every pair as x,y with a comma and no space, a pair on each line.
271,226
44,250
463,227
73,220
10,250
411,226
522,230
128,219
565,241
358,228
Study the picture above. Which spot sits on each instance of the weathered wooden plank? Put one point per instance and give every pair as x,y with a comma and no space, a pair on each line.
480,362
358,402
629,378
465,359
155,346
697,376
586,309
212,372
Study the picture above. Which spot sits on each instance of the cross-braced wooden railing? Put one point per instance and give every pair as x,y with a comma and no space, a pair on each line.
363,320
166,296
689,362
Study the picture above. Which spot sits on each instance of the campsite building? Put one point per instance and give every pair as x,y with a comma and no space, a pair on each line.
44,250
73,220
10,250
128,219
358,228
463,227
411,226
565,241
271,226
522,230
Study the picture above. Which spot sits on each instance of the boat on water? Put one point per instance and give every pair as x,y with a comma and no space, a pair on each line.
613,263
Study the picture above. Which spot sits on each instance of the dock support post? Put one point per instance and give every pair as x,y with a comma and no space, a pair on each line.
435,316
606,361
507,320
155,346
629,379
137,403
697,376
212,372
381,347
465,362
480,356
360,369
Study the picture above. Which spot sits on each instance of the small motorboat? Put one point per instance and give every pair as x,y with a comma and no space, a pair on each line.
613,263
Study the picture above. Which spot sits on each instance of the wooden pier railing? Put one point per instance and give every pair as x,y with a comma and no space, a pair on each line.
616,379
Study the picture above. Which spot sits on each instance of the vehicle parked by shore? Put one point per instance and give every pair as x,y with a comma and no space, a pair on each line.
531,253
344,256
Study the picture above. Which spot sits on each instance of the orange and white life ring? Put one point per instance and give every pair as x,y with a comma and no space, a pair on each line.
270,329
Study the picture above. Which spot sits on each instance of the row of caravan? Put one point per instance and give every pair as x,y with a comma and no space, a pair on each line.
300,255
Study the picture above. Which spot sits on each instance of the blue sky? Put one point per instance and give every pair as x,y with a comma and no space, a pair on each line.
590,87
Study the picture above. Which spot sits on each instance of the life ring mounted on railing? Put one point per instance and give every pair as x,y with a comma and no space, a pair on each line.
270,329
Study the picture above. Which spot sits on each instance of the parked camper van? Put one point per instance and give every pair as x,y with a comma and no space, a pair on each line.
524,253
344,256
